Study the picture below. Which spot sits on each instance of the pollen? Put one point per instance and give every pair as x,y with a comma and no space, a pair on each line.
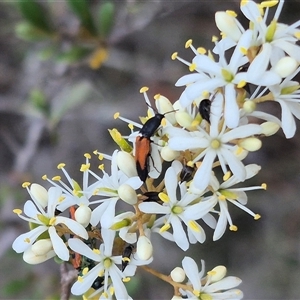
241,84
25,184
61,166
226,176
144,89
126,279
56,178
100,156
130,126
214,39
231,13
244,2
201,50
101,167
27,240
192,67
116,115
87,155
164,197
165,227
194,226
44,177
174,55
96,251
264,186
233,228
85,271
85,167
188,43
257,216
270,3
17,211
244,50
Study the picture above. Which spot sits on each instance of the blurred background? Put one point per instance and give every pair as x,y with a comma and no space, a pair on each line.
65,69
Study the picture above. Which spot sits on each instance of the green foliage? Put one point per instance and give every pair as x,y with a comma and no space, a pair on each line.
34,13
106,18
28,32
38,99
73,55
82,11
16,286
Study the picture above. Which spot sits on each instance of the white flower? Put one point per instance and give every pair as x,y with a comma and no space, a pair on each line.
216,143
237,196
46,221
175,211
211,289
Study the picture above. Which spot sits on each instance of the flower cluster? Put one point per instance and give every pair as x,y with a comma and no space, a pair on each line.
201,140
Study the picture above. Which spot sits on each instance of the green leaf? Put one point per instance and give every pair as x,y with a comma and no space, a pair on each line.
34,13
73,55
28,32
106,18
38,99
82,11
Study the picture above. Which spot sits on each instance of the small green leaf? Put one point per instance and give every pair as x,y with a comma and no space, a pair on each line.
73,55
82,11
34,13
106,18
28,32
38,99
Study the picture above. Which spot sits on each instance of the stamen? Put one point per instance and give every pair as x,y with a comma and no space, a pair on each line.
188,43
17,211
231,13
56,178
60,166
87,155
116,115
144,89
26,184
233,228
165,227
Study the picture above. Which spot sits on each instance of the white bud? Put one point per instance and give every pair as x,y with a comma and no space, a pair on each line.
285,66
83,215
178,274
126,163
217,273
127,194
228,25
144,248
177,298
42,247
269,128
251,144
168,154
183,119
249,106
40,194
164,106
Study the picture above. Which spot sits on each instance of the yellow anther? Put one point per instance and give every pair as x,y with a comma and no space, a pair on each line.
105,295
190,164
194,225
205,94
95,152
126,259
100,156
221,197
257,216
87,155
196,293
116,115
244,2
96,251
101,167
52,221
215,144
85,167
188,43
264,186
56,178
163,122
192,67
112,290
270,3
241,84
226,175
25,184
61,199
17,211
164,197
233,228
126,279
211,273
157,96
61,166
80,279
231,13
297,34
244,50
85,271
130,126
201,50
174,55
214,39
44,177
27,240
144,89
239,150
165,227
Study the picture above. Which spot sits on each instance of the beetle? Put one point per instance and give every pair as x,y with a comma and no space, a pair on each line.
187,172
204,109
126,256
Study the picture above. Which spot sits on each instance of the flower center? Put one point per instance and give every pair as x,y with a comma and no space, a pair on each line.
271,31
107,263
177,210
215,144
227,75
43,219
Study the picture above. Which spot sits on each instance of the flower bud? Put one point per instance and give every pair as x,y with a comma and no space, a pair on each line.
285,66
168,154
251,144
178,274
83,215
40,194
42,247
126,163
144,248
227,24
217,273
39,252
164,106
127,194
269,128
249,106
183,119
